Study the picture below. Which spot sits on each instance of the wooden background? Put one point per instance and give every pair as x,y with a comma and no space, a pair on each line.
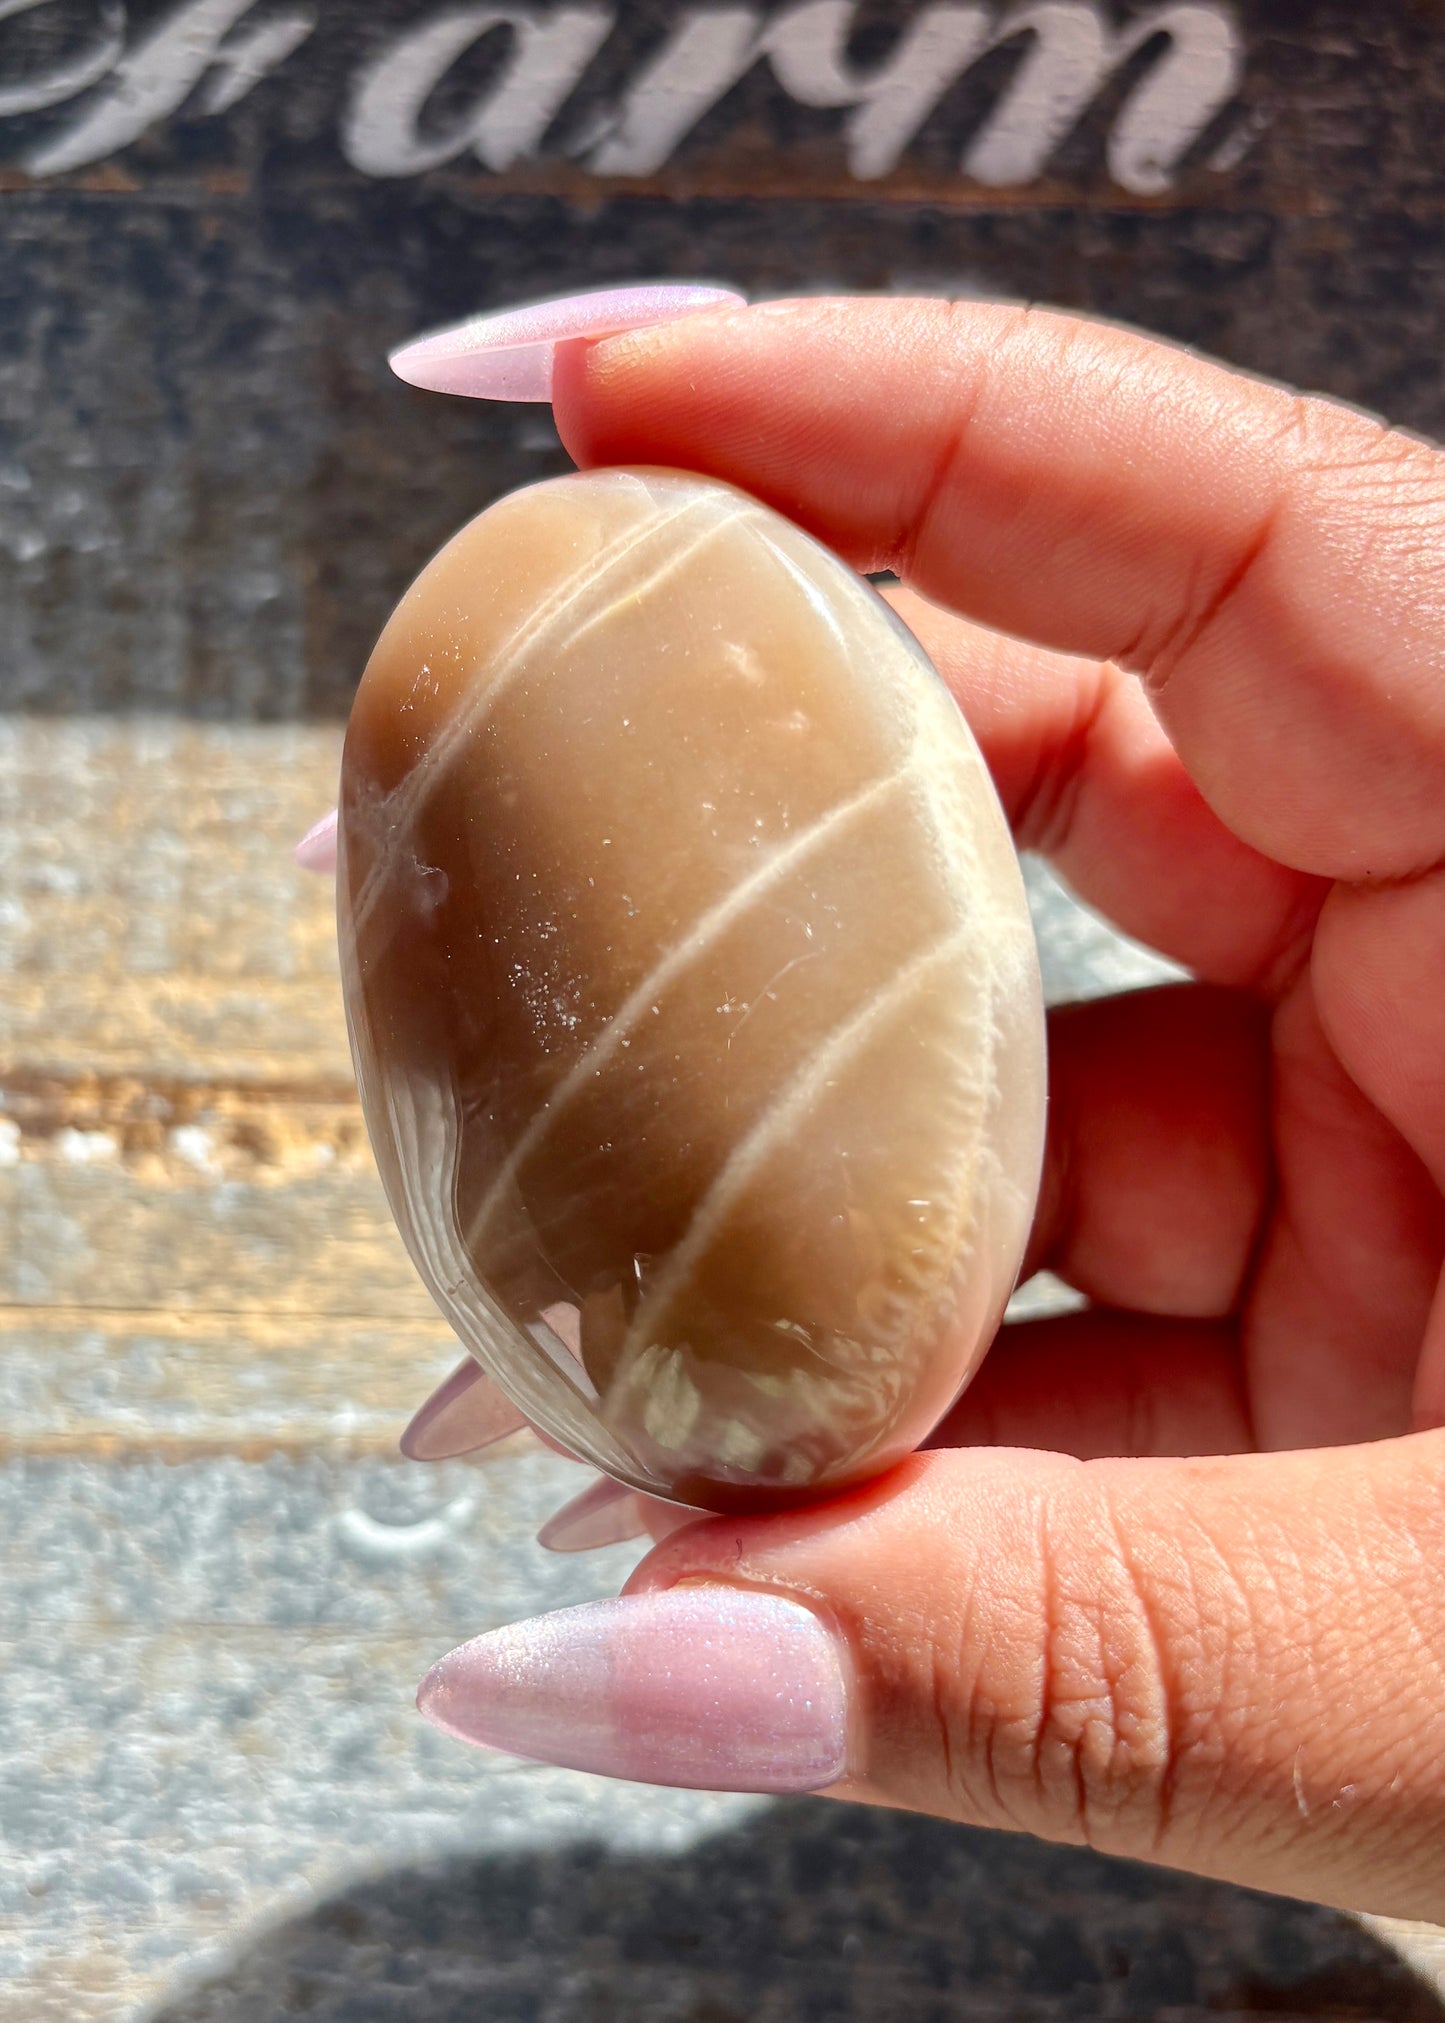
218,1584
212,490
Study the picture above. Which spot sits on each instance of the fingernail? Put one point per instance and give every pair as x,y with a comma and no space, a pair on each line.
464,1414
710,1688
663,1519
607,1513
317,849
508,356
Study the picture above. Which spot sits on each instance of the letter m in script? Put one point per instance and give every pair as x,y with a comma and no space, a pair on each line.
1071,53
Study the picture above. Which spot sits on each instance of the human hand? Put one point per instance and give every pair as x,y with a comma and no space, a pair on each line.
1215,699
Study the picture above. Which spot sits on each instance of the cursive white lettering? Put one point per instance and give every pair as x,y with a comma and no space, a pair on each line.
1170,108
1072,55
1186,57
150,81
707,53
381,132
806,50
713,49
243,60
66,80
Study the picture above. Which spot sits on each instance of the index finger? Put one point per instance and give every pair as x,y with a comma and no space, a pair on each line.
1274,567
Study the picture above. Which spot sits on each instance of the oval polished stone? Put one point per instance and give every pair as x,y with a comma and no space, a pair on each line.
692,989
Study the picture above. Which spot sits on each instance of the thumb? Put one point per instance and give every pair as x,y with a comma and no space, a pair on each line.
1229,1666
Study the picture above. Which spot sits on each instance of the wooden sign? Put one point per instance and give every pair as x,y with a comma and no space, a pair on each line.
217,215
616,95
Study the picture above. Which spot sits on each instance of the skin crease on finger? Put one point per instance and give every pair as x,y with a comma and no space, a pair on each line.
1089,779
1229,1664
1094,1694
1379,961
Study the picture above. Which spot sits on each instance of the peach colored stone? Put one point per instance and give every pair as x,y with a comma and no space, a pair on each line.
692,990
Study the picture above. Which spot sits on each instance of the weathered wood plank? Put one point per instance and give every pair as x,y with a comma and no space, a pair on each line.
223,532
195,1254
144,847
308,1243
210,1669
208,1030
152,923
177,1385
214,1675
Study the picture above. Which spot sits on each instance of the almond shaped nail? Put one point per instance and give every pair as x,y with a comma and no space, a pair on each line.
461,1416
509,355
606,1513
317,849
706,1688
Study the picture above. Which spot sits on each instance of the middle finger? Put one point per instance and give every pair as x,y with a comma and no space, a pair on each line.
1157,1170
1088,778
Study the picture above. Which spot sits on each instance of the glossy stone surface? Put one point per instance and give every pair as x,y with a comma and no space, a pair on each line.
691,985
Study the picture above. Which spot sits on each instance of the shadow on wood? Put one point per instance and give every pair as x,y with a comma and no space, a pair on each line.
810,1911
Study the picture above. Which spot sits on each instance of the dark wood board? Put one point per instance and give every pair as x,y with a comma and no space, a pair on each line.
211,488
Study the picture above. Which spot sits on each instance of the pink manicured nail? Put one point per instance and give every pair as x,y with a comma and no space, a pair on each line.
508,356
607,1513
465,1413
317,849
662,1519
710,1688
